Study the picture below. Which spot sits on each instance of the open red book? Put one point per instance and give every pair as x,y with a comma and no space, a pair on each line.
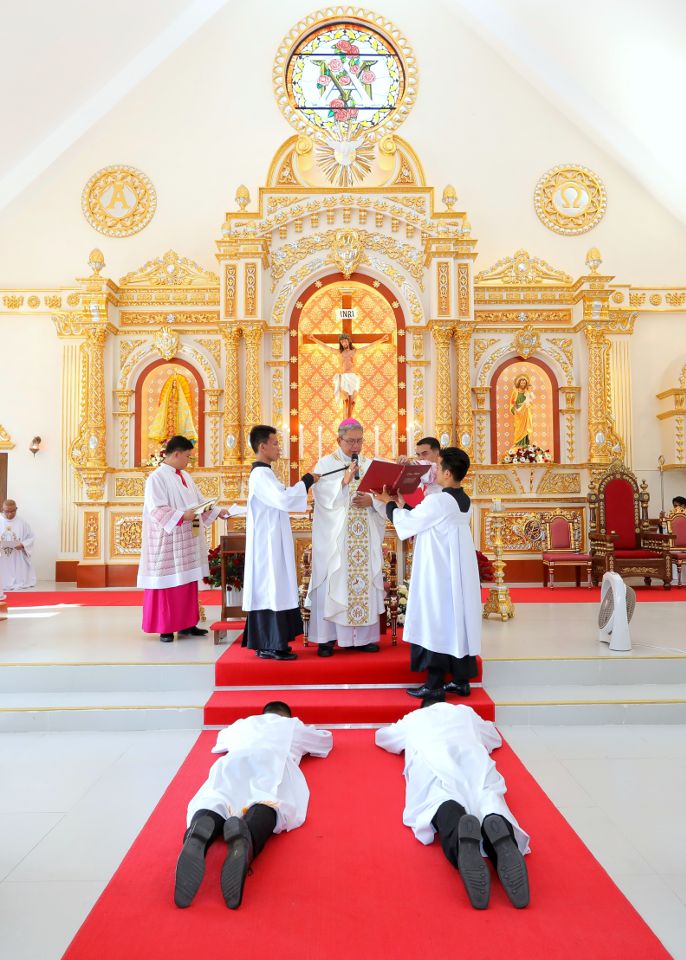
397,477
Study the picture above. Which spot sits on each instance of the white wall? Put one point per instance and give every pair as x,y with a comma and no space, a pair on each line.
29,406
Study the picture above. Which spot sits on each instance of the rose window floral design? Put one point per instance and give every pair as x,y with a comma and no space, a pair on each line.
347,72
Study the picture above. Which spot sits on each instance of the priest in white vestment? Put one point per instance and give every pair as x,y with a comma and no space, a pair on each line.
346,594
443,617
270,584
16,546
453,788
255,790
174,549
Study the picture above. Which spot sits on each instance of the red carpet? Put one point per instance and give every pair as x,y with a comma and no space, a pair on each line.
354,884
134,598
93,598
239,666
328,706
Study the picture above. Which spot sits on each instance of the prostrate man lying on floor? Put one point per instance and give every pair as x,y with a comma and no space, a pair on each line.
255,790
453,788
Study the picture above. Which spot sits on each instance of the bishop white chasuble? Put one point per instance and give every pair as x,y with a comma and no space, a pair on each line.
346,594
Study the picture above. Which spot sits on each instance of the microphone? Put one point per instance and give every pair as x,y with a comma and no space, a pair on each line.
355,457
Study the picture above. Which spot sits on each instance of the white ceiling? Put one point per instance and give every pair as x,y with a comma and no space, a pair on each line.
617,68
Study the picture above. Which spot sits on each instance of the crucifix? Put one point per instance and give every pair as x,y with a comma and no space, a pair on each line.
347,382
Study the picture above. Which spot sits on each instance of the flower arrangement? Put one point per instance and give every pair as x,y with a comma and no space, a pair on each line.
154,460
235,563
530,454
402,601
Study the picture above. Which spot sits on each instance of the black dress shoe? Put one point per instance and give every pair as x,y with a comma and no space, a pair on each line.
509,861
193,632
276,655
238,859
325,650
368,648
470,863
460,687
425,693
166,637
190,867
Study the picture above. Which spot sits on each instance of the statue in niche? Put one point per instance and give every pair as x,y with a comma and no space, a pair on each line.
174,414
346,384
521,408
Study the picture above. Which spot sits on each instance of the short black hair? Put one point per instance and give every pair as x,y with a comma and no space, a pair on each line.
260,434
278,707
679,501
456,461
430,442
178,443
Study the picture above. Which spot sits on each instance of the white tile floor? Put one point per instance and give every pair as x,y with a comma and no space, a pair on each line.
621,788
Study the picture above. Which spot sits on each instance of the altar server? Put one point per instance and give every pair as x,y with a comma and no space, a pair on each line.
174,549
346,595
453,788
270,584
255,790
16,547
443,617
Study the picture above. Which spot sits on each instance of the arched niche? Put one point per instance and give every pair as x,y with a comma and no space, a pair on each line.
149,385
382,369
546,407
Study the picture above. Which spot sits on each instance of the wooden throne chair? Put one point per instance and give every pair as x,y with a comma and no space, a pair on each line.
390,614
674,524
562,547
621,536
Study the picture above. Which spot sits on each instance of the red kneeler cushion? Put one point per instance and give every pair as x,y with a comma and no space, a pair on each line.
619,514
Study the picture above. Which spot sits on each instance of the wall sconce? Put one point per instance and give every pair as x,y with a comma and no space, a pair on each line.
34,446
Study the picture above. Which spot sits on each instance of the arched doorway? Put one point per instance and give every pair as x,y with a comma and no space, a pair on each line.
380,363
546,406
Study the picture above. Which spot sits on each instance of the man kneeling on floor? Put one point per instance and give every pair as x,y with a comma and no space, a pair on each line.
255,790
453,788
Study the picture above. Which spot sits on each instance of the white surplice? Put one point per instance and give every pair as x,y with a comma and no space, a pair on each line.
16,568
170,555
444,600
346,595
447,749
270,581
262,766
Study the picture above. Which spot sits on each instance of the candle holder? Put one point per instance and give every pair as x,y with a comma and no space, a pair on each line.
499,601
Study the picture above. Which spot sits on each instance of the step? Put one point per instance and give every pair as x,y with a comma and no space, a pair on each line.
589,704
611,669
113,676
326,706
238,667
102,710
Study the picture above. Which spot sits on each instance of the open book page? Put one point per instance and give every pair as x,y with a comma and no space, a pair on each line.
199,508
395,476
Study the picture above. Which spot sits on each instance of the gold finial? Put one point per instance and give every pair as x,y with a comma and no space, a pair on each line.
96,261
593,259
466,226
449,196
242,196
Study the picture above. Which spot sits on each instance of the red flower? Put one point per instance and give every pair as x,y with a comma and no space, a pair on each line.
343,46
336,104
353,51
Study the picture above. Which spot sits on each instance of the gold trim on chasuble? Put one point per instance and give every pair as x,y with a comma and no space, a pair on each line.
357,555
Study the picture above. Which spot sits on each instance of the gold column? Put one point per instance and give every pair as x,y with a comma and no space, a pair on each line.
442,336
232,397
603,443
69,520
465,417
122,398
252,333
87,451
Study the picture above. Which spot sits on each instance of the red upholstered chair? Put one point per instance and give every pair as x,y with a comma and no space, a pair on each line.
675,525
562,546
621,536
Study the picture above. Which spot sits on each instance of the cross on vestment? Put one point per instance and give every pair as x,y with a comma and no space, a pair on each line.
347,382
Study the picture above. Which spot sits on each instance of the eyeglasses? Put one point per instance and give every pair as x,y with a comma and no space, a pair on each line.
350,440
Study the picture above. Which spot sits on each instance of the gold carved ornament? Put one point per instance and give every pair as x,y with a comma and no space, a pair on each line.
443,288
522,270
166,342
119,201
570,199
527,341
5,439
346,251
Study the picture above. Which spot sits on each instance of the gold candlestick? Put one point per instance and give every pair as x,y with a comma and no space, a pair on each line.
499,601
